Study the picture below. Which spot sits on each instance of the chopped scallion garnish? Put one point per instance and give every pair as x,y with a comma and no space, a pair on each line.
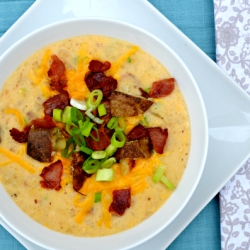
69,149
66,115
91,116
112,124
102,109
98,197
159,173
99,154
110,150
118,139
108,163
167,183
86,150
57,115
105,174
94,99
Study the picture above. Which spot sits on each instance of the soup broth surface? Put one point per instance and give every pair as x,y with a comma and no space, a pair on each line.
22,96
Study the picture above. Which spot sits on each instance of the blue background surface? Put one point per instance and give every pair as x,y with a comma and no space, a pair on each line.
196,19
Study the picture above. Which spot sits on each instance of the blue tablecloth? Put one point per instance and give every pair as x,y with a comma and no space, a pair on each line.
196,19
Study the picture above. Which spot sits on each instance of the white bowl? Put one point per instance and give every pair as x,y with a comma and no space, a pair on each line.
49,239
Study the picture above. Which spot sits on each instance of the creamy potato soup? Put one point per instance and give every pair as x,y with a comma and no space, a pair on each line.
85,209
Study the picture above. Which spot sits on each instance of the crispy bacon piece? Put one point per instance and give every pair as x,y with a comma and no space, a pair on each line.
20,136
59,101
137,132
57,74
135,149
158,138
162,88
77,171
46,122
144,93
121,201
39,145
97,66
52,176
98,80
102,143
124,105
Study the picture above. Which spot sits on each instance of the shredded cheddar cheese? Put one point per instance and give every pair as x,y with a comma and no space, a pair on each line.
18,160
17,114
106,216
86,205
116,66
5,163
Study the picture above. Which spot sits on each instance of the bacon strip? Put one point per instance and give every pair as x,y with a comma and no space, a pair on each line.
97,66
22,136
102,143
121,201
158,138
98,80
137,132
77,171
52,176
59,101
57,74
162,88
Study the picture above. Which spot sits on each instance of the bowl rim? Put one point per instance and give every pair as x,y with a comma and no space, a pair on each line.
142,225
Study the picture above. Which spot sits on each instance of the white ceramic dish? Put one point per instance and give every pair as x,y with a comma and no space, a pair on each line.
53,240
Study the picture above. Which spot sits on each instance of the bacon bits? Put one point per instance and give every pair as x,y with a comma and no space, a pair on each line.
137,132
39,145
124,105
52,176
121,201
59,101
158,138
97,66
57,74
20,136
102,143
162,88
96,79
77,171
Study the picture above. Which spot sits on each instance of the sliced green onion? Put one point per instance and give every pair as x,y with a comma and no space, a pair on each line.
76,115
118,139
144,121
147,90
86,130
91,165
78,137
121,124
110,150
167,183
69,127
80,104
60,144
102,109
159,173
129,60
57,115
94,118
112,124
105,174
108,163
97,138
94,99
66,115
69,149
99,154
98,197
86,150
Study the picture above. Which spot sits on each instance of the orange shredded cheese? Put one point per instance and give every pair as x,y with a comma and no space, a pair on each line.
17,114
106,216
5,163
86,205
18,160
116,66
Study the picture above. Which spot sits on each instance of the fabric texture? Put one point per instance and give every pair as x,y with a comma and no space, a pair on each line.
196,19
232,18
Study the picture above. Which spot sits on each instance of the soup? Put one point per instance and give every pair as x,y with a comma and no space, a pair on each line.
87,211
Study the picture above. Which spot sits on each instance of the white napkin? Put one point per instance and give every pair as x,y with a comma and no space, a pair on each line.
232,24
